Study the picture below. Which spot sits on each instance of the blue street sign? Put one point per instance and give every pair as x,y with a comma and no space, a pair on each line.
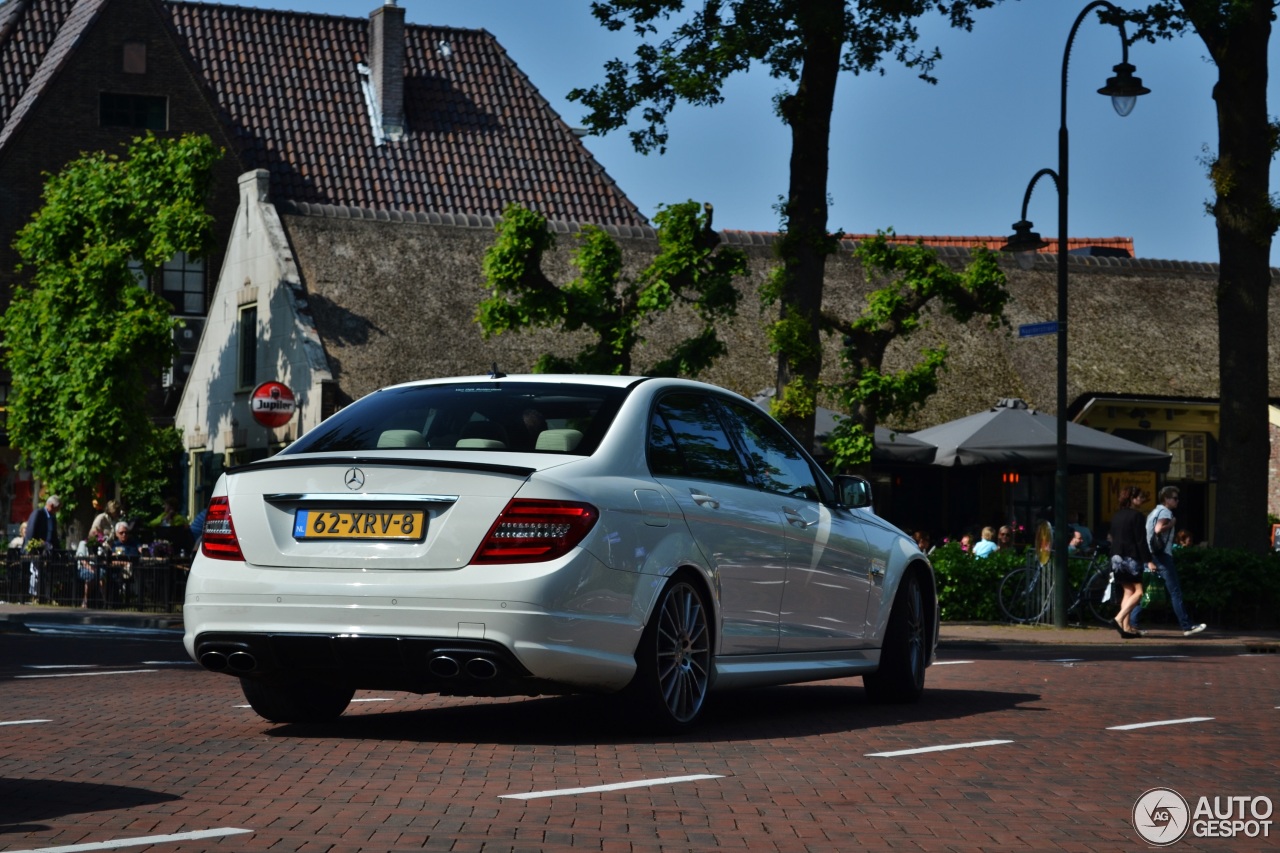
1031,330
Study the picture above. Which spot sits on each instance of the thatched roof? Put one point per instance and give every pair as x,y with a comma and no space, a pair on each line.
394,298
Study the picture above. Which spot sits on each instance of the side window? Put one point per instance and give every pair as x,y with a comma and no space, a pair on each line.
247,370
777,462
664,457
687,439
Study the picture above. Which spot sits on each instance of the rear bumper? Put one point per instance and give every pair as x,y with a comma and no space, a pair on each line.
566,626
396,644
415,664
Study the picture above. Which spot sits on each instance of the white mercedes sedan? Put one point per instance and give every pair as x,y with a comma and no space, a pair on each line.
661,539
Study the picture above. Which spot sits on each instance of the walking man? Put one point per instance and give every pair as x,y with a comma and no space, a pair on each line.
42,527
1160,529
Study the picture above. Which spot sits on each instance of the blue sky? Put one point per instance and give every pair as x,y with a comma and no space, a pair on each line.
950,159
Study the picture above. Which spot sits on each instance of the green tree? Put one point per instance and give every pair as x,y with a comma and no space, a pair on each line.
690,269
82,340
914,279
807,44
1236,34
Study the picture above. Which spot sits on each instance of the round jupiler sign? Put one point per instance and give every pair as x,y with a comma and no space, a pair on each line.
272,404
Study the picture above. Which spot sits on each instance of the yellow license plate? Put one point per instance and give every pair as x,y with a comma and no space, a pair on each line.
391,524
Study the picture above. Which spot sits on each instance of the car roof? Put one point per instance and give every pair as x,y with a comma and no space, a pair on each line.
546,378
607,380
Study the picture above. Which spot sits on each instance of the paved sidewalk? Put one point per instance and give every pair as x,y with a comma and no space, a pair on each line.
955,635
958,634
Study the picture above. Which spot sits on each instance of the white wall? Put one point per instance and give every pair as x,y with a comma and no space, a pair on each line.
259,269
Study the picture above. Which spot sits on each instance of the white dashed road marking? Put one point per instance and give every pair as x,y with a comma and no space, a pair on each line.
617,786
139,842
1131,726
22,722
86,674
973,745
168,663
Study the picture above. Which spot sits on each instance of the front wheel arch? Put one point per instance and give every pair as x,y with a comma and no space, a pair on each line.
908,642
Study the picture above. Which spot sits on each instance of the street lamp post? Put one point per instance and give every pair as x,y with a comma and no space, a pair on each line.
1124,89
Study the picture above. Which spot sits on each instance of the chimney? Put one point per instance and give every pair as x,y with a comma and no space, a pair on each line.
386,66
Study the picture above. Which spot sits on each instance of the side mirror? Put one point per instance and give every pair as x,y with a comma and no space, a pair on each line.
853,492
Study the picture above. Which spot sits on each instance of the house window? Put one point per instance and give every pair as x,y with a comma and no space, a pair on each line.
248,331
182,283
145,112
138,273
1190,456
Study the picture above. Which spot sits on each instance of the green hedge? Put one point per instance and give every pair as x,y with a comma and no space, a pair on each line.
967,584
1226,588
1229,588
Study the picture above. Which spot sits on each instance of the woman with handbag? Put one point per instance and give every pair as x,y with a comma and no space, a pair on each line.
1129,553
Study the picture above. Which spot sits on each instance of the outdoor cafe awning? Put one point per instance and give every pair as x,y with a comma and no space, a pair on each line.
1016,436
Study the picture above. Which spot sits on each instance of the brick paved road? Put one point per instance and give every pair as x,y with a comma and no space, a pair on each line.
166,749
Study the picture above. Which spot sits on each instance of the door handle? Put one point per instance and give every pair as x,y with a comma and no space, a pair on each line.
704,500
795,519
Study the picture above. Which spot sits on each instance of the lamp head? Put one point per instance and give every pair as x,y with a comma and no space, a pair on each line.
1024,244
1124,88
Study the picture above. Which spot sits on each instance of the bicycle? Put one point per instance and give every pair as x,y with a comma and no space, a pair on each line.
1026,593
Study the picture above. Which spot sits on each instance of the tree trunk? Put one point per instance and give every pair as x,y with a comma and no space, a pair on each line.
805,246
1246,222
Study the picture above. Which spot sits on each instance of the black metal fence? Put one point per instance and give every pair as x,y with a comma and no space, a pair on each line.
108,582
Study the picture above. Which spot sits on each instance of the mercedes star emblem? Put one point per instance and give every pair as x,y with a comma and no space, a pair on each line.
354,479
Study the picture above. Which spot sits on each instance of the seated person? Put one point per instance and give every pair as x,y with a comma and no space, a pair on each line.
988,543
124,551
1076,547
1086,534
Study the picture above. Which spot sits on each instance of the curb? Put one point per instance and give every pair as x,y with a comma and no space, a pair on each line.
17,623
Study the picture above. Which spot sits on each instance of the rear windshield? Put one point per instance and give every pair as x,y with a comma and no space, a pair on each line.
523,417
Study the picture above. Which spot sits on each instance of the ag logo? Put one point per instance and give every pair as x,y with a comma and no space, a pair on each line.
1161,816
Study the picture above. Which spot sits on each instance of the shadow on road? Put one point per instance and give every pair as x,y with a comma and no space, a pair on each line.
26,800
766,713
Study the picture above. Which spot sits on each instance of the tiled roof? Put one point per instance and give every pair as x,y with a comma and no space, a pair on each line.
1074,244
27,29
478,134
288,86
64,41
994,243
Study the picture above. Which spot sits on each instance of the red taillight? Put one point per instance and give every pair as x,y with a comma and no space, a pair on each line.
219,538
530,531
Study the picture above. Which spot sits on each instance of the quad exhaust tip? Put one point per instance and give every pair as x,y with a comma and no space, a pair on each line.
443,666
481,669
446,666
235,660
242,661
213,660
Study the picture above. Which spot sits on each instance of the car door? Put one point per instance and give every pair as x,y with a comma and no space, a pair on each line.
737,528
828,578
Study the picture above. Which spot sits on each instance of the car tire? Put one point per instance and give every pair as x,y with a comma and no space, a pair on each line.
295,701
673,660
904,656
